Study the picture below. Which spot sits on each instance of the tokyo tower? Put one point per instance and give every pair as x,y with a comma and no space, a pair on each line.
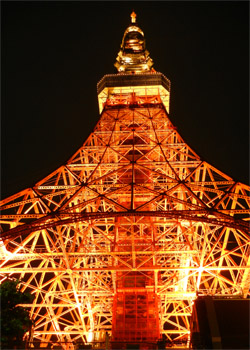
120,241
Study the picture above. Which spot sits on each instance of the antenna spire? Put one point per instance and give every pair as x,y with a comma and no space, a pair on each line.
133,56
133,17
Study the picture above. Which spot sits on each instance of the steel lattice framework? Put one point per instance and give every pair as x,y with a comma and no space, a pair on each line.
134,200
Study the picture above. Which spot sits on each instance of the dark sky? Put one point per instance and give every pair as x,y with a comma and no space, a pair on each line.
54,53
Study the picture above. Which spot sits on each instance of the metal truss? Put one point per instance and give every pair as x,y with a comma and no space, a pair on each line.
134,200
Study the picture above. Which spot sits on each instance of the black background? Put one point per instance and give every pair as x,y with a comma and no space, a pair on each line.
54,53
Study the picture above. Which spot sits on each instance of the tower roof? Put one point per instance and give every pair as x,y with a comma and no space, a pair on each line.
133,56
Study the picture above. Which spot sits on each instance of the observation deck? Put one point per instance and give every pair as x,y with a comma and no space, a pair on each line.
144,84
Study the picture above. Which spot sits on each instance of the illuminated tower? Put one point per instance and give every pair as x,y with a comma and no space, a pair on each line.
122,237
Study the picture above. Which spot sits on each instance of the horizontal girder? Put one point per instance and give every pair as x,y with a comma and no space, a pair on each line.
52,220
123,269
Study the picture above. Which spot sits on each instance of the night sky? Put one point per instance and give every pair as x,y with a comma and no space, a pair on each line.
54,53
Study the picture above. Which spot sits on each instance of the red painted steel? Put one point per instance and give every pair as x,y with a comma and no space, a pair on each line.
117,243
